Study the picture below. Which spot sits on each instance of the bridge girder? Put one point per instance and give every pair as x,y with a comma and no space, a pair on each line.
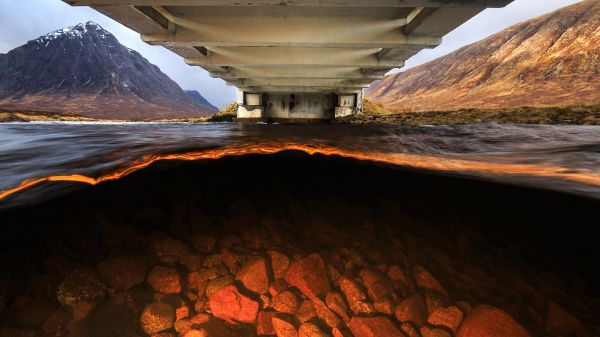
293,45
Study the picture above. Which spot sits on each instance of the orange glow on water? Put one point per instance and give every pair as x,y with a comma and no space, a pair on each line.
408,160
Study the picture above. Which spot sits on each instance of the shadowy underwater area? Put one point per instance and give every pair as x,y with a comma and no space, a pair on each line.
299,245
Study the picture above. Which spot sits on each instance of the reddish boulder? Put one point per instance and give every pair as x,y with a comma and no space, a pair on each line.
396,273
488,321
182,312
432,302
81,285
165,280
336,302
357,299
203,243
218,283
280,263
449,317
384,306
434,332
412,309
311,330
284,328
374,327
195,333
380,289
254,275
409,329
167,250
264,324
192,262
231,259
277,287
123,272
325,314
198,280
157,317
306,311
560,322
341,332
426,281
285,302
309,275
229,304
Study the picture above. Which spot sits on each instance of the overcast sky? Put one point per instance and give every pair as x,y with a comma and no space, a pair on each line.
24,20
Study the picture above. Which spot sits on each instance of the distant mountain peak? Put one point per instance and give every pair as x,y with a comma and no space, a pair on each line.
75,32
84,69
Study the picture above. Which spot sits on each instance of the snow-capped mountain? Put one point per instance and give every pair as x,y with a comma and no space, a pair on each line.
84,70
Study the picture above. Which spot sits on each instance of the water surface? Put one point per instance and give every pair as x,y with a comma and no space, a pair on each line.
564,158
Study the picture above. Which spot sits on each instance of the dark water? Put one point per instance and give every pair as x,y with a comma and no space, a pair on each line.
563,158
499,215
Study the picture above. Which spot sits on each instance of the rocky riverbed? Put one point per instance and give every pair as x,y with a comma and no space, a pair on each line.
310,247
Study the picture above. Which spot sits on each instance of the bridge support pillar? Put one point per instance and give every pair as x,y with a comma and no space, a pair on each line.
349,104
250,106
296,107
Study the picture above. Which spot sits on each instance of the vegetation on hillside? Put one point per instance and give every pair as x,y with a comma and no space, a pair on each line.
11,116
576,115
225,115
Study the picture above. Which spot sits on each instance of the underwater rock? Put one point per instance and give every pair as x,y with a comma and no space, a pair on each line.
165,280
81,285
254,275
123,272
157,317
229,304
489,321
309,275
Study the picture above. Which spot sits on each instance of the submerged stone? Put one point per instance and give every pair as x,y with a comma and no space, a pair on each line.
157,317
309,276
229,304
489,321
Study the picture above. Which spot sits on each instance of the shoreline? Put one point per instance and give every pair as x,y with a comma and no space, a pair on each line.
571,115
375,114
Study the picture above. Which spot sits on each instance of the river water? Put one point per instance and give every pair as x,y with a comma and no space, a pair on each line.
486,218
34,157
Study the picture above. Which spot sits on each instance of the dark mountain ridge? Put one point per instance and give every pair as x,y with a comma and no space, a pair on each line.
84,70
198,99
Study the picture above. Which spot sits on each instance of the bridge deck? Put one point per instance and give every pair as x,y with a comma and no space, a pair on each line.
304,46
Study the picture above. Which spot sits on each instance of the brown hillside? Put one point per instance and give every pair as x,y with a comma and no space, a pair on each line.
552,60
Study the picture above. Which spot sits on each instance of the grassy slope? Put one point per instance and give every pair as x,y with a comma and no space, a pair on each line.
225,115
578,115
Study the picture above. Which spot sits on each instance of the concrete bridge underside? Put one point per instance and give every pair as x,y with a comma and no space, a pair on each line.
294,59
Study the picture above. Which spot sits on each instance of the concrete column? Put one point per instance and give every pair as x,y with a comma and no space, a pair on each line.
250,105
349,104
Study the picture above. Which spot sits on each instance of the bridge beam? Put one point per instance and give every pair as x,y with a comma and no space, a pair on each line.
294,57
340,32
290,57
297,72
300,82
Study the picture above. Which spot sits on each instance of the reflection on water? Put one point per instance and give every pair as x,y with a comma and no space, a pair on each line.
565,158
